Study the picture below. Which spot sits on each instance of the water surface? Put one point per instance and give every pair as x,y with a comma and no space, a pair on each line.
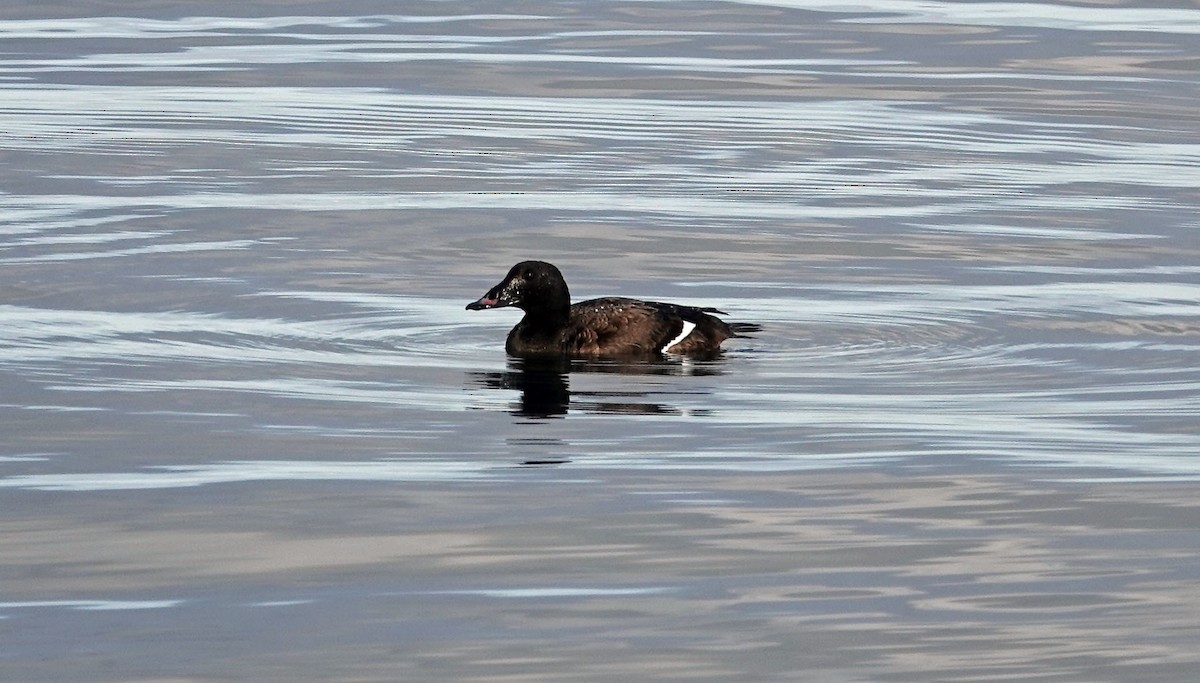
251,433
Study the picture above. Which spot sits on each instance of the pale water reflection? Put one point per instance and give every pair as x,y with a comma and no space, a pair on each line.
250,434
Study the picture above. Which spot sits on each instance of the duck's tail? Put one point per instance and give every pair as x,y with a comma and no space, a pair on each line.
735,329
744,329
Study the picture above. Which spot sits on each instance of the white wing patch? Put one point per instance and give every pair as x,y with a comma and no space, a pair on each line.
687,329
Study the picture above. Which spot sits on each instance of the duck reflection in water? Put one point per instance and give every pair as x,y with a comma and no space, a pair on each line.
544,385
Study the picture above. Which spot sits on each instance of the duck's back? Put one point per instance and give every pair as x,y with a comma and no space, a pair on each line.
615,326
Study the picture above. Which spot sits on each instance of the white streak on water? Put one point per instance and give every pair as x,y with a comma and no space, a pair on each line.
93,605
185,476
1012,14
554,592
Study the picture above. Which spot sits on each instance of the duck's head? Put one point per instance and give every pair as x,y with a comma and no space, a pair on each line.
532,286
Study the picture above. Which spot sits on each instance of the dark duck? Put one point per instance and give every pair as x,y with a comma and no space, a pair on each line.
607,327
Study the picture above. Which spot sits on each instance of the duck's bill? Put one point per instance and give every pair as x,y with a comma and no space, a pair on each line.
485,303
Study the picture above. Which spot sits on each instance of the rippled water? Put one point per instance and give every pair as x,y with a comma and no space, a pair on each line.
251,433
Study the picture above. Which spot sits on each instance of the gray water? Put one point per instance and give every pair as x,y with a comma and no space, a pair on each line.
251,434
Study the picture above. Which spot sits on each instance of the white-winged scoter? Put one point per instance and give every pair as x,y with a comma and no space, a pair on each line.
611,326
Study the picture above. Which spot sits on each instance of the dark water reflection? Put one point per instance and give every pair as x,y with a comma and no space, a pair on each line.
544,385
249,433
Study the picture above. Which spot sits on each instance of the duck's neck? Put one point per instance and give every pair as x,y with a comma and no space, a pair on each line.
547,318
539,332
